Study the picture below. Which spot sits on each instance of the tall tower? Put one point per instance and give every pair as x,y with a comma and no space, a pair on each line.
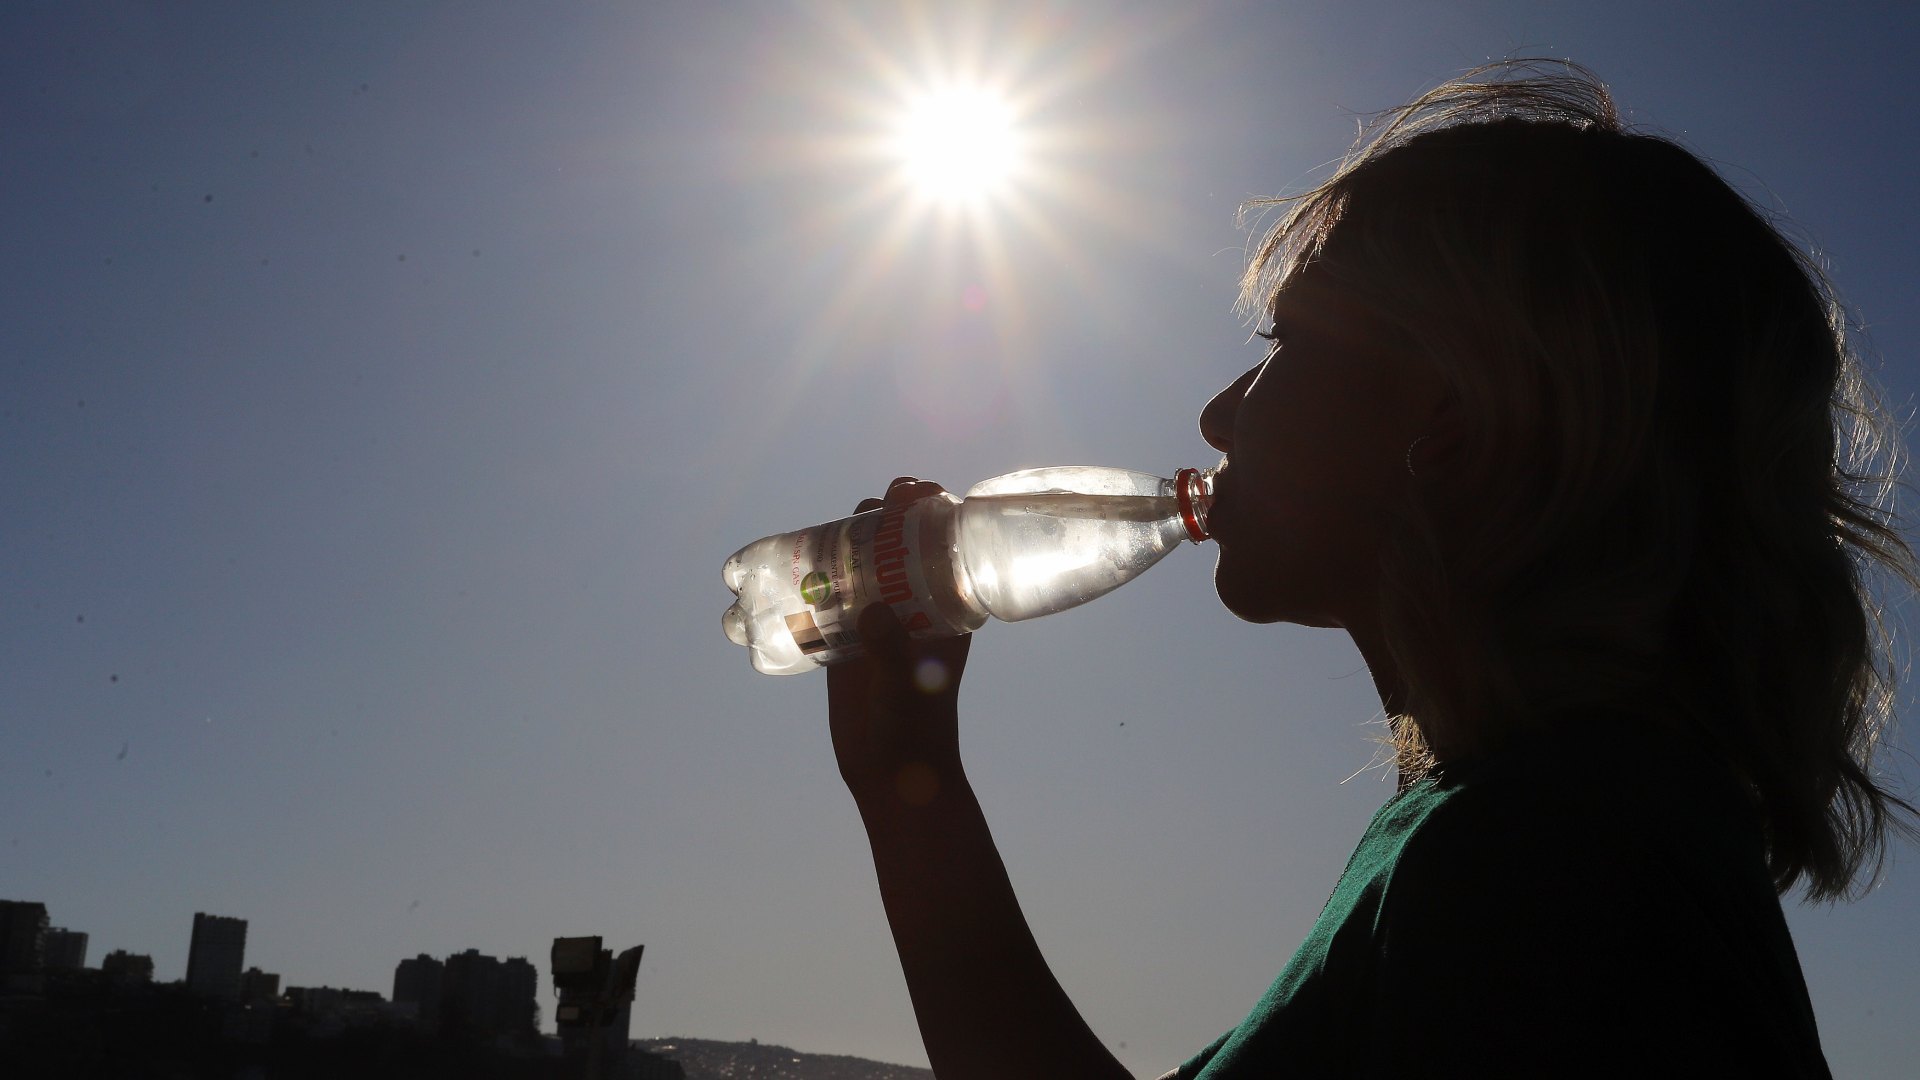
214,959
23,946
416,982
66,949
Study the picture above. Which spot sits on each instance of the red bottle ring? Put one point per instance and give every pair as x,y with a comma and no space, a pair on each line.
1184,482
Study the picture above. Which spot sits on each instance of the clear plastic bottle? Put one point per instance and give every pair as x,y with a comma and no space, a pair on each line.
1015,547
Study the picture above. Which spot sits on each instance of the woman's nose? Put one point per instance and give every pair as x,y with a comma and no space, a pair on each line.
1216,420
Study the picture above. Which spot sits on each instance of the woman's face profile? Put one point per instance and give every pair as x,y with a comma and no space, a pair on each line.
1315,441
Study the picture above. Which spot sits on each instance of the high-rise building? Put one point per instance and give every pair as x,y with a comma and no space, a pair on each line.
23,943
519,996
214,959
259,987
485,997
66,949
125,967
416,982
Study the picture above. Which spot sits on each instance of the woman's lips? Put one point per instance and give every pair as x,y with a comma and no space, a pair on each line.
1218,511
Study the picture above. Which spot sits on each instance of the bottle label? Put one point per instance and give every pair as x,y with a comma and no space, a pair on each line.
818,572
889,562
838,569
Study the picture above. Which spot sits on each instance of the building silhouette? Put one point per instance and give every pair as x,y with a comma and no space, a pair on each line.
124,967
23,944
416,985
485,998
214,959
331,1002
259,987
66,950
596,1001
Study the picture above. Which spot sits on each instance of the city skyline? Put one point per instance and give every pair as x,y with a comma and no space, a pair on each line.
471,1012
225,948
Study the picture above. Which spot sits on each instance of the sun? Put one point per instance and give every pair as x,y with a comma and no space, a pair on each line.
957,144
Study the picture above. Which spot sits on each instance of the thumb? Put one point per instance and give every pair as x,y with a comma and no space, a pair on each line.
882,634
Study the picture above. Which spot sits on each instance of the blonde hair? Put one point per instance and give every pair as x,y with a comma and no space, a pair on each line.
1672,484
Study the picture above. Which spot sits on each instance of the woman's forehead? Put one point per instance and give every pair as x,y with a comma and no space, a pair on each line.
1312,301
1312,293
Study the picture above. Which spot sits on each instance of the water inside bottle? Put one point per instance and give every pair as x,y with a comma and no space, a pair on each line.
1032,554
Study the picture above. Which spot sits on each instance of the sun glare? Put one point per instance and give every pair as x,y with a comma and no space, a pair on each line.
958,145
959,167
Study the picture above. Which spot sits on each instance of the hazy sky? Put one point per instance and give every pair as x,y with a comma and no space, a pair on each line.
384,385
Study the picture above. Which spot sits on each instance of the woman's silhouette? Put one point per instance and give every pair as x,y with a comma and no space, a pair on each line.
1558,427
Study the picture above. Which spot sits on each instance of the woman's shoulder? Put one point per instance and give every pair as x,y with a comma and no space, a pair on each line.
1611,809
1617,886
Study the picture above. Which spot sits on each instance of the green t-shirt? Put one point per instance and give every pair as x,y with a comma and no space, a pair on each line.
1549,911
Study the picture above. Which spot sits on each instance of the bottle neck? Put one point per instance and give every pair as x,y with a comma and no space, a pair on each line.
1193,490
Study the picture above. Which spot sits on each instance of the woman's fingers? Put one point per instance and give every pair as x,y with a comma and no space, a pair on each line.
905,489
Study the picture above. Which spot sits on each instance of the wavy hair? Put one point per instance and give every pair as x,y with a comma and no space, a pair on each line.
1671,488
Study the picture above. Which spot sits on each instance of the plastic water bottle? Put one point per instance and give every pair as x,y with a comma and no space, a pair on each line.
1015,547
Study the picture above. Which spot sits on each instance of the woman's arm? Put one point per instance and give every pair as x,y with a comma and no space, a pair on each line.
987,1004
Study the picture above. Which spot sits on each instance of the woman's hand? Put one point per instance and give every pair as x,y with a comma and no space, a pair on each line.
893,711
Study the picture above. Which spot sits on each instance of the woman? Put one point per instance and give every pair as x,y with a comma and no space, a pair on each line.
1567,438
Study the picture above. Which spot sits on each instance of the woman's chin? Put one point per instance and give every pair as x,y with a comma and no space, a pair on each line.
1247,604
1262,599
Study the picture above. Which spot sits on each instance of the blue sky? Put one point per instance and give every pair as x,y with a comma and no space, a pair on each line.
385,384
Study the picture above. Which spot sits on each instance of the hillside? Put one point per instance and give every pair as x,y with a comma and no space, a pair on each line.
708,1059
